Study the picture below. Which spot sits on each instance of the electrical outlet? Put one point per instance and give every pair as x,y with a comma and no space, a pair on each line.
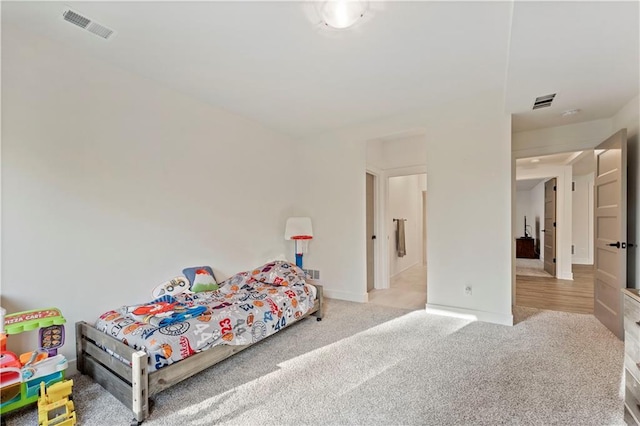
467,290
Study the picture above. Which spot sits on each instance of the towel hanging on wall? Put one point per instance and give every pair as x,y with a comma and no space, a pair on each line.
401,249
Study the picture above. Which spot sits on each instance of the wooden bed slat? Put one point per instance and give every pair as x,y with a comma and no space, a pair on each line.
164,378
318,305
107,341
114,364
115,386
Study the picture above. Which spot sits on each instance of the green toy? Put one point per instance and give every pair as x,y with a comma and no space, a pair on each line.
20,376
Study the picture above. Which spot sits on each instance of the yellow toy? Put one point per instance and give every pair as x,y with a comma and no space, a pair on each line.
55,406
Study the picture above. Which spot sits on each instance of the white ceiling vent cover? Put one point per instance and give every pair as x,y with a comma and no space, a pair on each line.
86,23
543,101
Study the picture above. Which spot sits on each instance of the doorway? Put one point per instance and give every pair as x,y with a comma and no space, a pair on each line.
602,264
397,161
405,250
558,219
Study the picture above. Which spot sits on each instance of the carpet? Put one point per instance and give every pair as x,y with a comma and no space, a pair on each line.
367,364
531,268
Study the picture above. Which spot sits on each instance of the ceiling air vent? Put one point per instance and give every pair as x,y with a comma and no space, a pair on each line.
87,24
543,101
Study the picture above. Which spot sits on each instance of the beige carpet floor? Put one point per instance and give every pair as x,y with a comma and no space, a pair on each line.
366,364
531,268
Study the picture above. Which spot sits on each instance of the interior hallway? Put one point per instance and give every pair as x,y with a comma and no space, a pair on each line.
408,290
558,295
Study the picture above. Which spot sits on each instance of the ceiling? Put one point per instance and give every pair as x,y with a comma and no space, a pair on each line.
274,62
581,162
561,159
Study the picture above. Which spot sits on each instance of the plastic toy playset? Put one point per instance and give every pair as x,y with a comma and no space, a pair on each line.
55,406
21,376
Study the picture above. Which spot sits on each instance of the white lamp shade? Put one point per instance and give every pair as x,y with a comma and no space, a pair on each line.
298,226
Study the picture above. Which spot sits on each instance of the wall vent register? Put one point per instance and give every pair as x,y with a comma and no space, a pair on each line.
87,24
543,101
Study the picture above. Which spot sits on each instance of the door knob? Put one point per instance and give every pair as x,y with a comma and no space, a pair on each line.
616,244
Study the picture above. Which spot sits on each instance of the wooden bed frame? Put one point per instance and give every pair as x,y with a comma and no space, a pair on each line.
133,385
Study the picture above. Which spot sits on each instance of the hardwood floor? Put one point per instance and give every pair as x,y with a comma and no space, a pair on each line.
409,291
558,295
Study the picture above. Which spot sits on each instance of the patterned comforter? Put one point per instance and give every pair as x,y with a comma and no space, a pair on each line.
239,313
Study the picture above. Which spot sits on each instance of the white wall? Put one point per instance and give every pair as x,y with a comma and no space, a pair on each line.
375,154
552,140
405,152
523,208
629,117
405,202
397,152
332,193
530,203
469,172
111,184
582,219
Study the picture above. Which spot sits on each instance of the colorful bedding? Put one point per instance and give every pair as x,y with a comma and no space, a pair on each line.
243,311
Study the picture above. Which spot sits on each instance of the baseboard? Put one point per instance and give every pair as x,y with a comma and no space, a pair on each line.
470,314
345,295
567,276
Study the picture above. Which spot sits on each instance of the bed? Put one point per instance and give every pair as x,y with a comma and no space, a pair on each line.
135,354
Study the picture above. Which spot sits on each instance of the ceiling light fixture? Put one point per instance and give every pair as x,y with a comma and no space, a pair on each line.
342,14
570,112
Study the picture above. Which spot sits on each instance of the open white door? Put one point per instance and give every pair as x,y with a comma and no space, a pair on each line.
370,232
610,231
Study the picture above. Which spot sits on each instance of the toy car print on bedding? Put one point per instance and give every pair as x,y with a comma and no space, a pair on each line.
243,311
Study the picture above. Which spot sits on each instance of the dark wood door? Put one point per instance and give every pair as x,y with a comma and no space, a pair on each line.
550,226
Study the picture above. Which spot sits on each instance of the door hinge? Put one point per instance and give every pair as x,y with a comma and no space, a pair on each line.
554,260
554,224
554,187
573,186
